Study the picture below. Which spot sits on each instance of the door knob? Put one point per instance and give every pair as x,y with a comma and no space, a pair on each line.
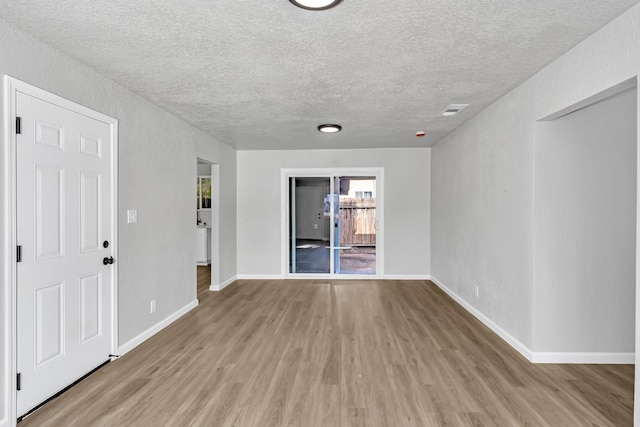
107,261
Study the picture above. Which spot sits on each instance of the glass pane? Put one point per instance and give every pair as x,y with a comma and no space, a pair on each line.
355,238
309,225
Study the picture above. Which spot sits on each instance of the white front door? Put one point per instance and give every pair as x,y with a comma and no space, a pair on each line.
63,225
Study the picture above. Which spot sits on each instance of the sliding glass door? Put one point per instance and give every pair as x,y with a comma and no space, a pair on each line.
332,225
309,225
355,225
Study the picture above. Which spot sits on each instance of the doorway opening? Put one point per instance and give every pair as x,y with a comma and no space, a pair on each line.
207,206
585,229
333,223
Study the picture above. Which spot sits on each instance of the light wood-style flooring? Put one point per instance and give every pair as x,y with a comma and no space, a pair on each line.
337,353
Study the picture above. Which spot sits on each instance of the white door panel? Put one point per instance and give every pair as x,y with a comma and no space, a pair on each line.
90,307
49,211
49,325
63,216
90,212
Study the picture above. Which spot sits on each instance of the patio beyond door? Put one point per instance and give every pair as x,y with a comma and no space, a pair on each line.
332,225
355,229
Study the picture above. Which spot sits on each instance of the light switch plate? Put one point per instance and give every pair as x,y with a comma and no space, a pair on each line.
132,216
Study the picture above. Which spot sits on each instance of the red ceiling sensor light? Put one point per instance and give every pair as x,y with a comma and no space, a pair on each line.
420,134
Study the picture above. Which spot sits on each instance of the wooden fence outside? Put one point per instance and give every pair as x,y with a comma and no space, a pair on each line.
358,222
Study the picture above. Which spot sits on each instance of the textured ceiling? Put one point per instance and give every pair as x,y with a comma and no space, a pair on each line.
263,74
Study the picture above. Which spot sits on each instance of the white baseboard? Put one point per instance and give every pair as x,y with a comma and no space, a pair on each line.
406,277
260,277
224,284
540,357
344,277
585,358
508,338
133,343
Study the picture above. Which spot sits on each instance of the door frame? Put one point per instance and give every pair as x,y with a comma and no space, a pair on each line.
8,291
286,174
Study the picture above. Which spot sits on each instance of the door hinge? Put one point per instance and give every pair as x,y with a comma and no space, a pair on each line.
18,126
19,254
19,381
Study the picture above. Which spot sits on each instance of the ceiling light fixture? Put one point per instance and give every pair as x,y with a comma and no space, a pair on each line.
329,128
316,4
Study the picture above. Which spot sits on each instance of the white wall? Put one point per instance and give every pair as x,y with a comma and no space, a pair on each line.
406,205
227,221
483,179
157,159
481,212
585,213
204,169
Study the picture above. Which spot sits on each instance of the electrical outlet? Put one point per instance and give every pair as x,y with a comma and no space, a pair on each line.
152,309
477,291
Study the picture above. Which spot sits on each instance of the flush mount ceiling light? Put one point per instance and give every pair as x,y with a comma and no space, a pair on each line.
316,4
329,128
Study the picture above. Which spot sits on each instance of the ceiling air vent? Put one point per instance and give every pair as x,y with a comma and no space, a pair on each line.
453,109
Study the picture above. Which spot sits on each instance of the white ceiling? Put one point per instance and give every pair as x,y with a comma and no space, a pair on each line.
264,74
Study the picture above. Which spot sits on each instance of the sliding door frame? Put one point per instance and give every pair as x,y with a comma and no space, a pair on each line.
330,173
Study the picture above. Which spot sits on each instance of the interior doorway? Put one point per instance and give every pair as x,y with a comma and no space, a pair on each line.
585,229
207,213
333,223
